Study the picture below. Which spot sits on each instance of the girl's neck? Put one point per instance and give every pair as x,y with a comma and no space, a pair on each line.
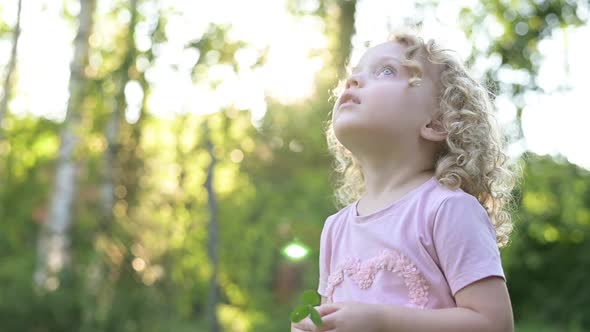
386,182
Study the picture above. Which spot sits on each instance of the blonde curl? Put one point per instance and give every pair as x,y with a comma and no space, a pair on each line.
472,157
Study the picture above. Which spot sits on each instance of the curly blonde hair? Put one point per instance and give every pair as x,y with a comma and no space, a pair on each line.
471,158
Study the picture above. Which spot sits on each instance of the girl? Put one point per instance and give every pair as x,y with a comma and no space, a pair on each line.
425,186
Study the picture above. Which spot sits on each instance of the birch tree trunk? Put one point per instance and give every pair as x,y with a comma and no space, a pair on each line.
11,66
53,252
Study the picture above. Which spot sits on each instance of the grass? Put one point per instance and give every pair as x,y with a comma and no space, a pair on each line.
543,327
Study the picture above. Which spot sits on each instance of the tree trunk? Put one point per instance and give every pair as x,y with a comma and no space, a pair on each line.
98,284
346,11
53,241
5,97
10,68
212,235
115,120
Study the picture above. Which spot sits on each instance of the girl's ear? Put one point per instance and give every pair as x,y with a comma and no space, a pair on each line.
433,131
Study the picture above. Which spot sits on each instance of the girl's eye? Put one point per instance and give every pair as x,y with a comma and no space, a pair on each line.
388,71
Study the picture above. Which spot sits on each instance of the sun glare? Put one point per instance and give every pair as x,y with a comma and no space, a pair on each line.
45,51
295,251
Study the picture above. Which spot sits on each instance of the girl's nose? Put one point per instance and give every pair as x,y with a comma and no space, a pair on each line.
354,80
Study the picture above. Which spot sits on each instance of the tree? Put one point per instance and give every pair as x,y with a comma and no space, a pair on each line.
523,25
8,83
54,240
11,66
546,260
212,237
551,211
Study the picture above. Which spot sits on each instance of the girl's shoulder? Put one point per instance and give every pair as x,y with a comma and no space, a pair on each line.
441,195
338,215
457,209
440,202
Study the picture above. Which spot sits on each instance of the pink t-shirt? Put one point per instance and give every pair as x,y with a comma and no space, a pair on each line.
417,252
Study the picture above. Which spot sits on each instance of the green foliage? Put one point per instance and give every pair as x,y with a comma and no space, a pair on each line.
299,313
548,251
524,24
515,29
147,269
310,299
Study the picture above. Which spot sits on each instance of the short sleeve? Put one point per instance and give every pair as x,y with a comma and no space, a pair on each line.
325,255
465,242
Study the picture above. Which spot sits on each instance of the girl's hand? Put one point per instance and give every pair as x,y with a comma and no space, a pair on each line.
345,317
303,326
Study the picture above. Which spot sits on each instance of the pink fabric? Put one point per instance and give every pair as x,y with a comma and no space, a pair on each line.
417,252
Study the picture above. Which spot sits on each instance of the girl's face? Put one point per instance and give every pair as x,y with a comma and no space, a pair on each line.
378,107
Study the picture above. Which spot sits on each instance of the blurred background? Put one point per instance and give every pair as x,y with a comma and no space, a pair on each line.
163,165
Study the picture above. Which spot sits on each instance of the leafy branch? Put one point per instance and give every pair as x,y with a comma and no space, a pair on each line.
310,299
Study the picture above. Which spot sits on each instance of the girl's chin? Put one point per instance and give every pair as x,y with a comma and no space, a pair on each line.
354,134
348,134
346,126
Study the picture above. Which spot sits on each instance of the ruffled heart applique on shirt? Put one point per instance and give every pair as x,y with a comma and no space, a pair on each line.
363,274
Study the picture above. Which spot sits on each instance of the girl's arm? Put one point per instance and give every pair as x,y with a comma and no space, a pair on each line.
481,306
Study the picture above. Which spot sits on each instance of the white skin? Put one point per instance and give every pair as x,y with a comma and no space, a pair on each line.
391,129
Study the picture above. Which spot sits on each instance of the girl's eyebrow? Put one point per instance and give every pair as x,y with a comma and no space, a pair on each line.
389,57
380,59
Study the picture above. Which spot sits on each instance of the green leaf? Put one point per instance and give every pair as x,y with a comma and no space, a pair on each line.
315,316
299,313
311,297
